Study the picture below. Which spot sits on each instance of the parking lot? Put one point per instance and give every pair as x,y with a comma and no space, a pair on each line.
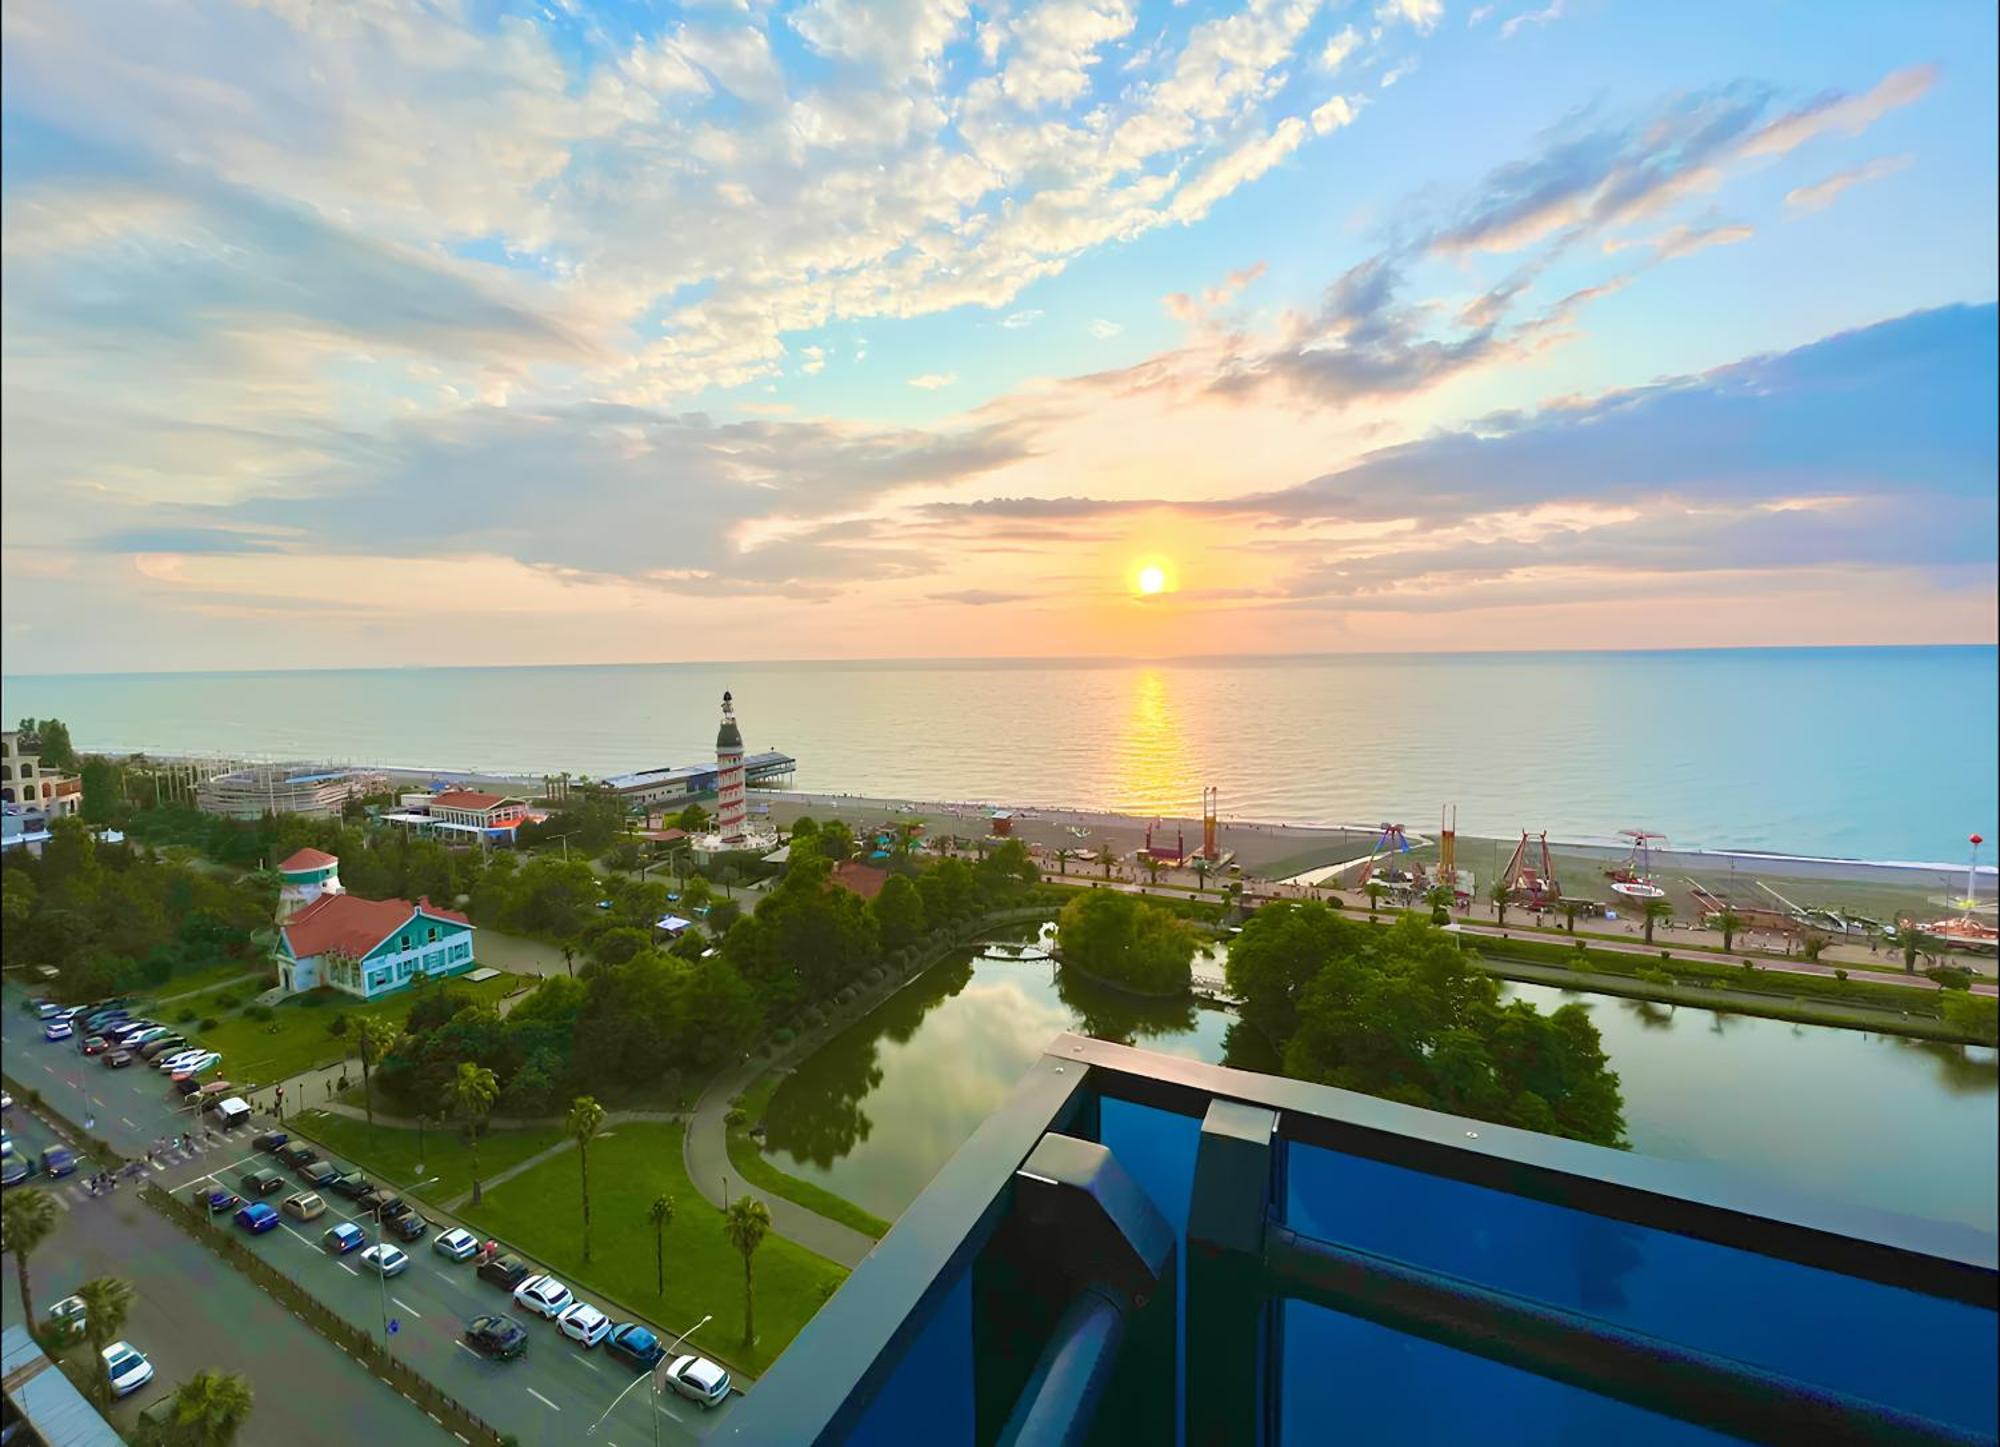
553,1393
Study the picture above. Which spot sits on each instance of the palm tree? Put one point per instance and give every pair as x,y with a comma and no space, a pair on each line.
661,1214
469,1095
1569,907
1906,931
1729,922
586,1119
1109,858
1201,866
372,1039
746,1223
1500,894
106,1301
1374,889
1153,868
1063,856
1438,897
26,1221
1653,911
210,1406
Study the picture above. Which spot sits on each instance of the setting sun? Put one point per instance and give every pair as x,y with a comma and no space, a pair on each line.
1152,579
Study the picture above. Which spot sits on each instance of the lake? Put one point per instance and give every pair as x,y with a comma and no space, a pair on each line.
1902,1124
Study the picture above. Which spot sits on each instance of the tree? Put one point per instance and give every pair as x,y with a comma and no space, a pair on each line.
210,1408
692,819
1374,889
106,1302
1653,911
1201,867
1152,866
1500,894
1124,941
1812,944
899,913
470,1096
52,745
1729,922
746,1223
1569,908
1108,857
26,1221
661,1214
1063,857
586,1119
1912,941
373,1038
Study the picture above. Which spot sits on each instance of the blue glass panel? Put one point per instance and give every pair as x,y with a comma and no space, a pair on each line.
932,1384
1897,1347
1158,1148
1348,1380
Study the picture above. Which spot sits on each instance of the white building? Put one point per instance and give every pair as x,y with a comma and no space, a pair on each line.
24,781
362,947
733,830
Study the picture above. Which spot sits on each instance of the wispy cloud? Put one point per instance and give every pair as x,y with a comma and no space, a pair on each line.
1547,15
931,381
1824,192
1104,330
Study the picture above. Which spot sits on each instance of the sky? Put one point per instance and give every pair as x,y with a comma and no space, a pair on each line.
382,332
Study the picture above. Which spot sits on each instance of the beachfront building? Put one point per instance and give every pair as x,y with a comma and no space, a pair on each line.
366,947
650,788
25,781
465,816
318,791
303,878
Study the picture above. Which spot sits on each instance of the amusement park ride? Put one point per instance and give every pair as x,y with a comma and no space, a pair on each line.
1634,878
1177,852
1530,875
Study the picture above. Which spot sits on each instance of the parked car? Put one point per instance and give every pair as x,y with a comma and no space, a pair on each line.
186,1085
305,1206
543,1295
343,1238
699,1380
262,1182
269,1141
58,1030
96,1045
174,1059
457,1243
296,1154
216,1198
118,1059
152,1050
197,1064
38,1007
390,1207
128,1368
257,1218
124,1030
319,1173
499,1337
409,1226
583,1323
353,1185
387,1259
67,1319
635,1344
58,1161
146,1036
215,1092
371,1201
15,1170
505,1272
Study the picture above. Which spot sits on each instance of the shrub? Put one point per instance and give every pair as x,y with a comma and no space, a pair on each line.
1840,974
209,1022
783,1035
184,1014
1653,976
1950,977
259,1012
227,999
338,1024
1666,954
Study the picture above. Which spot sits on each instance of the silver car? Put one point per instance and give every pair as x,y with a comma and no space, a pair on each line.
699,1380
544,1296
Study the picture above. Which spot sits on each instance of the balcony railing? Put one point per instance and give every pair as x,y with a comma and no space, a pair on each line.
1137,1247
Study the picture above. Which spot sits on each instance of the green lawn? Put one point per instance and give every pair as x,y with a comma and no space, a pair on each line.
242,974
299,1036
390,1152
759,1170
539,1213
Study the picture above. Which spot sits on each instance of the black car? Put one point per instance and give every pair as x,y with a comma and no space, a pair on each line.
500,1337
262,1183
353,1185
393,1208
118,1059
270,1140
319,1174
154,1049
505,1272
188,1086
371,1201
409,1226
296,1154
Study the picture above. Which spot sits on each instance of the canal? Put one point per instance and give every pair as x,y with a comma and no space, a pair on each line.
1904,1124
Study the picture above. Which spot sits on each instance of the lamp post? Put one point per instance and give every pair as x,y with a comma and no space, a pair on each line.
652,1377
422,1121
381,1265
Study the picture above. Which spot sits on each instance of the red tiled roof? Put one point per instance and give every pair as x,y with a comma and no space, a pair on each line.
862,879
466,799
307,859
352,925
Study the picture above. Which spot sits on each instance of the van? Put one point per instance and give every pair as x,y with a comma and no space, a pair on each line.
233,1111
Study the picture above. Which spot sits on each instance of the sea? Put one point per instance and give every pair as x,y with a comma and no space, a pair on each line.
1860,753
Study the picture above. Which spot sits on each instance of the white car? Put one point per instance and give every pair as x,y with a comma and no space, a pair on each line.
543,1295
67,1318
196,1063
457,1243
385,1259
173,1058
128,1367
584,1323
699,1380
151,1032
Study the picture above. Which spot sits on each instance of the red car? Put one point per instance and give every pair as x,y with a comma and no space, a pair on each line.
96,1045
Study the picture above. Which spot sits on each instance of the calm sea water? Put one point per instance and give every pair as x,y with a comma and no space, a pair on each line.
1873,753
1906,1125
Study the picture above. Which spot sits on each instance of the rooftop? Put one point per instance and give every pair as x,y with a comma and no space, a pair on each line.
469,799
858,878
307,859
351,925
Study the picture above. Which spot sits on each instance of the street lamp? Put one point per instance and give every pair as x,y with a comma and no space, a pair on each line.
666,1358
381,1272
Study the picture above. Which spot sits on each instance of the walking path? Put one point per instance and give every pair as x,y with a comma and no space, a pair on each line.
705,1152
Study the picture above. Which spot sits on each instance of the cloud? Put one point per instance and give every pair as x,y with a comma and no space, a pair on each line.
1105,330
813,360
1337,112
1243,165
1422,14
1021,319
1824,192
931,381
1848,114
1334,53
899,37
979,597
1547,15
1396,73
1478,15
1685,240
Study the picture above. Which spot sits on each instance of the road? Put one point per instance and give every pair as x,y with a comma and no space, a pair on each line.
192,1312
551,1395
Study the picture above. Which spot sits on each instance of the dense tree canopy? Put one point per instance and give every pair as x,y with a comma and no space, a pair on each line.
1123,941
1405,1013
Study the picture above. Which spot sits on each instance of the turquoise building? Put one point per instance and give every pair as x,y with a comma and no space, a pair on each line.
361,947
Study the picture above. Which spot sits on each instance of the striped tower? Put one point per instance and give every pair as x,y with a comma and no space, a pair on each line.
732,810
